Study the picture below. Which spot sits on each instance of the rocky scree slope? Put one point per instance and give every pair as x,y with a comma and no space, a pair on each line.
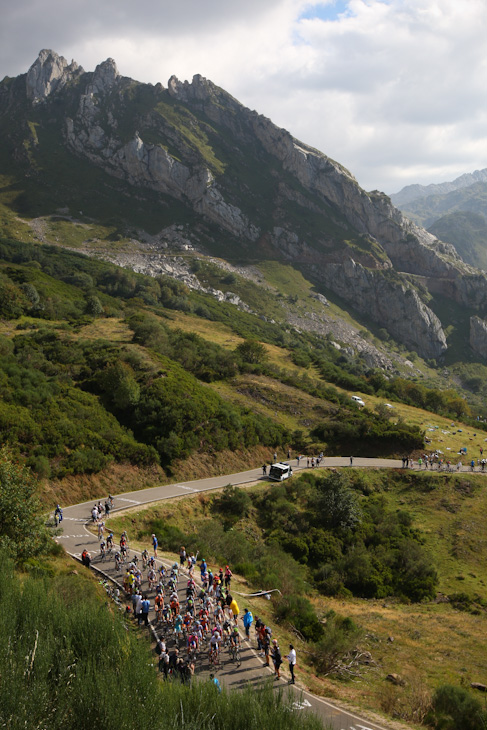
257,192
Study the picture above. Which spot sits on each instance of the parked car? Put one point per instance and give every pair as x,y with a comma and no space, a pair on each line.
358,400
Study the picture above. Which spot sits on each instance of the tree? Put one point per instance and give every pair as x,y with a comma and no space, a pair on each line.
22,531
252,351
93,306
337,505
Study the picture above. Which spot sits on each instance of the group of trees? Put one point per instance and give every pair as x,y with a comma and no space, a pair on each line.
81,403
352,543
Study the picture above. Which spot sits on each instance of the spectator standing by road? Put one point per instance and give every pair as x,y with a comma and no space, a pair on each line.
247,619
276,658
144,613
291,657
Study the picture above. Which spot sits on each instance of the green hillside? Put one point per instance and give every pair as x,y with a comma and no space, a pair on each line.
93,372
467,231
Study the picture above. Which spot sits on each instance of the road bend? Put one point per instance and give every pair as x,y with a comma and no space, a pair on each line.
75,537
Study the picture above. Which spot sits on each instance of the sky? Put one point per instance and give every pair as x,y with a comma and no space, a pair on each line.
394,90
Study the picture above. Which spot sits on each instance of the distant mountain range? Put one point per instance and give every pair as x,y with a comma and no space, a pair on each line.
189,166
412,193
453,211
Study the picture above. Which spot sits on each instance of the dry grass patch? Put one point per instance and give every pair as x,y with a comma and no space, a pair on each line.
111,328
289,406
425,644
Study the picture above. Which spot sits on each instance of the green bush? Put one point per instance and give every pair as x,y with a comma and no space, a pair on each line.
454,708
22,531
300,614
339,638
233,503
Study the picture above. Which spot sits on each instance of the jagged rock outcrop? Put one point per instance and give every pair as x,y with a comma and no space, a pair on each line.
478,336
49,73
144,164
387,300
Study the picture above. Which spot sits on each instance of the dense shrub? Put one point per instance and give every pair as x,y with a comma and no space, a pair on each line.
340,636
298,612
349,539
368,434
22,531
233,503
454,708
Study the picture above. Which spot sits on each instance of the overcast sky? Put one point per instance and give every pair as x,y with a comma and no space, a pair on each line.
395,90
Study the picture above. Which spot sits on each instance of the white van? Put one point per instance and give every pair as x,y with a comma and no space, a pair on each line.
358,400
279,471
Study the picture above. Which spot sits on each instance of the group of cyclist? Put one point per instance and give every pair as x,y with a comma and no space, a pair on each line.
202,622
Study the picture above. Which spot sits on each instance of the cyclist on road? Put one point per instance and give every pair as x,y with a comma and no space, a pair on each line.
215,646
118,562
235,637
145,558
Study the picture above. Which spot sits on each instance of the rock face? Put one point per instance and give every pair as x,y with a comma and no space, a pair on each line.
478,336
49,73
266,193
390,302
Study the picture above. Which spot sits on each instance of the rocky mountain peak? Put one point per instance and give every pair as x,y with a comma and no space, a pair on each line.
49,73
200,89
105,77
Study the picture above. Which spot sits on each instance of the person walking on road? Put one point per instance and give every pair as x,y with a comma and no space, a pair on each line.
291,657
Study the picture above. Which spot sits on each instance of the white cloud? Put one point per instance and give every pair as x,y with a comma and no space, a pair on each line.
393,90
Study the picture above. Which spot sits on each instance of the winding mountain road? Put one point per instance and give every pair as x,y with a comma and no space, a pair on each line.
75,537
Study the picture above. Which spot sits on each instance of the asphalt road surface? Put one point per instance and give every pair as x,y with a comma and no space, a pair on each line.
75,537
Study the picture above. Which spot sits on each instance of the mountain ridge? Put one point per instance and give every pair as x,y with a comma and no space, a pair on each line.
248,187
411,193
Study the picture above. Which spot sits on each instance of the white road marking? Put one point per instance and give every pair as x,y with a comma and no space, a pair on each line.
75,519
301,705
68,537
182,486
132,501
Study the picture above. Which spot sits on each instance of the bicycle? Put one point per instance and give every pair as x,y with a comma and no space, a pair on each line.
234,651
214,656
192,650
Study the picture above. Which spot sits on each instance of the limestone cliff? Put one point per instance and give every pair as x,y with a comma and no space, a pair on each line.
390,302
478,336
49,73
